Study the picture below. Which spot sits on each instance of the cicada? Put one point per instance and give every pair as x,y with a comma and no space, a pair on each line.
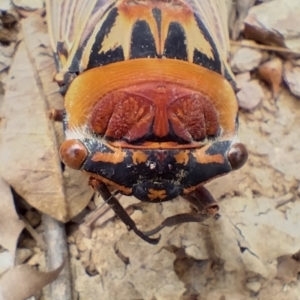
150,106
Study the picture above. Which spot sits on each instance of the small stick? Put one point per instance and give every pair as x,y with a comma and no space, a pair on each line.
40,242
57,252
284,200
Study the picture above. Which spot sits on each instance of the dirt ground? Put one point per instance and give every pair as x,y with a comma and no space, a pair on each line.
250,252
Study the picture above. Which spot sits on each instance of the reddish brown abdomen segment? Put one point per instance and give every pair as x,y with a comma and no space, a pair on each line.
156,110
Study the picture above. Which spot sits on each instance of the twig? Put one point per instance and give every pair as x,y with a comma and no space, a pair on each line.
57,252
284,200
264,47
41,243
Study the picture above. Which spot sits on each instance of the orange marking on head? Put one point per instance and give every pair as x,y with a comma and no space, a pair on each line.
182,157
154,194
139,157
113,158
203,158
123,189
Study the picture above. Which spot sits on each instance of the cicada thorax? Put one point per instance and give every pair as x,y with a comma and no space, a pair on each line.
151,112
127,29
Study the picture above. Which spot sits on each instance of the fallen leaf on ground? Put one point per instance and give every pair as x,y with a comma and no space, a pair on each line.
28,141
29,159
10,224
23,281
77,191
275,23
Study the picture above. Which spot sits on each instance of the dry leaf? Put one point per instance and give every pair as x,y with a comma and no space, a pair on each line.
28,137
77,191
271,72
23,281
275,23
10,224
28,140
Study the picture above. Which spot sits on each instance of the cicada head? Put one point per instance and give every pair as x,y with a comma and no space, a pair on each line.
152,128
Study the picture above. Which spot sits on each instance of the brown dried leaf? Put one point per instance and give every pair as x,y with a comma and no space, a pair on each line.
10,224
28,141
76,188
271,72
27,280
275,23
28,137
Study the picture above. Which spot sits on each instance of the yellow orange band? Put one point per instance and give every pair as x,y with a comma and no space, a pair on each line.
90,86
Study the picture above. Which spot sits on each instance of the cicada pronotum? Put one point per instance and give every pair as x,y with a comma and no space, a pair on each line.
150,106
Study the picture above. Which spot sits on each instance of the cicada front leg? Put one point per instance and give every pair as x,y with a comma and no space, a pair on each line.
204,204
119,210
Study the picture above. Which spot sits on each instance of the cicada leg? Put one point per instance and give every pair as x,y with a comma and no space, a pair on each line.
202,201
119,210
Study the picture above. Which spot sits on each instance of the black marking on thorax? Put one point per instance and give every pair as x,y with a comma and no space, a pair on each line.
142,41
111,56
200,58
175,44
75,66
142,44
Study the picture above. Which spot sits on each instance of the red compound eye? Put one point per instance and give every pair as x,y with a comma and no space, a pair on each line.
73,153
237,155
